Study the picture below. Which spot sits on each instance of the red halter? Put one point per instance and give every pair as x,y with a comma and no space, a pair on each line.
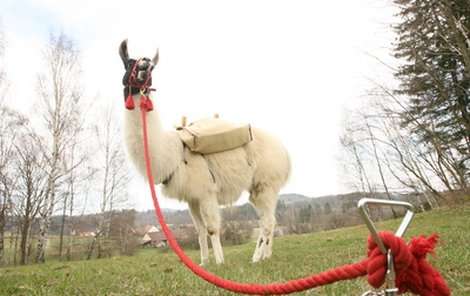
144,89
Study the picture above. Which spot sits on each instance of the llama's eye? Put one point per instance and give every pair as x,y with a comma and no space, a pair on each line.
144,64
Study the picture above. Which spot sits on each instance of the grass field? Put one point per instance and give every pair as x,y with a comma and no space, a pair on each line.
154,272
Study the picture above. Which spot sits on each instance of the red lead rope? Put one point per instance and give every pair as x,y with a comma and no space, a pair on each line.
414,274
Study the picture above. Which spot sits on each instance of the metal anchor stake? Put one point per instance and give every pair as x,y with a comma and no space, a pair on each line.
390,290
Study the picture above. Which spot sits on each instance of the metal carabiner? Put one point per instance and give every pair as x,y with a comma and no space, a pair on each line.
390,276
381,202
385,292
374,293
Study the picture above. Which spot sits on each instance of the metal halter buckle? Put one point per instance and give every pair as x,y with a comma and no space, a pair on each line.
391,290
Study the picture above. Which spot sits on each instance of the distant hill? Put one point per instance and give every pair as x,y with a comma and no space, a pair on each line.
288,213
289,201
293,198
336,201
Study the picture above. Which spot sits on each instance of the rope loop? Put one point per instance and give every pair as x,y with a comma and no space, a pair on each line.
377,267
414,273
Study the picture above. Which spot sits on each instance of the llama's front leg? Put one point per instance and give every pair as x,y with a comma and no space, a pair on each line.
211,216
201,231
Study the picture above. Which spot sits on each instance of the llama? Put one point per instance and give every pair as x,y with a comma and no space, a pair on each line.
208,181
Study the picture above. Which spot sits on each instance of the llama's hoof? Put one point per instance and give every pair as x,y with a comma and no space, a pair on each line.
260,258
204,263
257,257
266,256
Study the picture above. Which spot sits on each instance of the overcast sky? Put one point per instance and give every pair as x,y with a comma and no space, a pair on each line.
290,67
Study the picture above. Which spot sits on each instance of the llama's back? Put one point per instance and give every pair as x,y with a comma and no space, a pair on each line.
262,162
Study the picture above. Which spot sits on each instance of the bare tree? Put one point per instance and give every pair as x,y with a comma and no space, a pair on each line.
419,130
10,124
412,164
2,39
79,174
356,142
3,82
351,145
61,96
30,188
425,162
19,170
77,188
373,142
122,231
6,144
113,173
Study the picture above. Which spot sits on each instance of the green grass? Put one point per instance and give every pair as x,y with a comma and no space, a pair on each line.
153,272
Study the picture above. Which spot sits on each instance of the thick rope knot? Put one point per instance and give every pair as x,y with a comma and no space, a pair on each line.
414,273
420,277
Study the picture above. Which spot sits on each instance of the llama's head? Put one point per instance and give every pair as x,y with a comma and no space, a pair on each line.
138,75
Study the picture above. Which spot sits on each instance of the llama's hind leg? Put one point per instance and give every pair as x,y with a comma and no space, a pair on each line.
264,200
210,214
201,231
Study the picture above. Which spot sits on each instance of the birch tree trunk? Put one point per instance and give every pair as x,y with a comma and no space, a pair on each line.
44,226
72,232
62,224
61,95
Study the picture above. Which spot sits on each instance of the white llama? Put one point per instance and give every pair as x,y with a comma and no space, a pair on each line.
207,181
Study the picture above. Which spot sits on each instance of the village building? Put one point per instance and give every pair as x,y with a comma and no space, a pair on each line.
152,237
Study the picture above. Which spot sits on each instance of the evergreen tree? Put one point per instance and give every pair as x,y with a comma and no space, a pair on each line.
328,209
306,214
435,79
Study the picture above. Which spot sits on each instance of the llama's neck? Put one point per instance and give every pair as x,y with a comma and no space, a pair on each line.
165,148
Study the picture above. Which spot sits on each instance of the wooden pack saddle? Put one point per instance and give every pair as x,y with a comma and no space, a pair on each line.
210,135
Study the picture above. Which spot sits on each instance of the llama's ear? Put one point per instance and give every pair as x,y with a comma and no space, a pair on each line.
155,58
124,53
